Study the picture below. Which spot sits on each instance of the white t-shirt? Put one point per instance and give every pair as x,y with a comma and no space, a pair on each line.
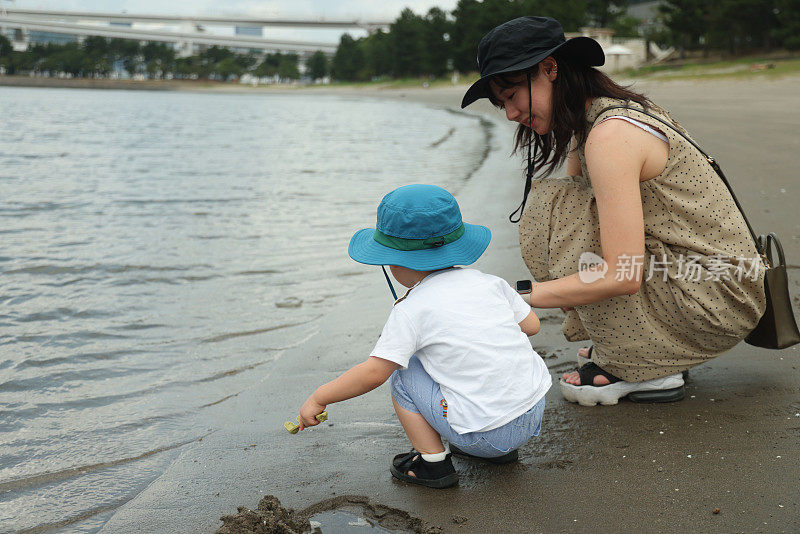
463,325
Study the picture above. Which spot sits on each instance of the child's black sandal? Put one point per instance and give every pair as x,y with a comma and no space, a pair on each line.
431,474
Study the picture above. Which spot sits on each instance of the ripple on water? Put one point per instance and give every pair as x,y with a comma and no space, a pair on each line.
65,498
154,277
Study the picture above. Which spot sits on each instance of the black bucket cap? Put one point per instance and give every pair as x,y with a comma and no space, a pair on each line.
522,43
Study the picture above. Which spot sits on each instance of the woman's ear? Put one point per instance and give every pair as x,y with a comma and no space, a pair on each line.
549,67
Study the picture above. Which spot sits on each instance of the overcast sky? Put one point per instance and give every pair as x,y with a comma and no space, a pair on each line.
379,9
367,10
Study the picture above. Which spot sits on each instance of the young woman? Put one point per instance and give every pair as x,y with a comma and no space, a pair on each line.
676,279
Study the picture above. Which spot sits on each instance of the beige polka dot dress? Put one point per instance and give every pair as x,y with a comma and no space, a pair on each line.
702,281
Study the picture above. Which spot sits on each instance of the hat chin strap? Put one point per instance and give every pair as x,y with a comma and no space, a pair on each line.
391,287
529,170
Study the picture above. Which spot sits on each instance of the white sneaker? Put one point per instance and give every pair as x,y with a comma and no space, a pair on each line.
590,395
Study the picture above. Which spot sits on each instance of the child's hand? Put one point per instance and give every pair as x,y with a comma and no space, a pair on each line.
309,411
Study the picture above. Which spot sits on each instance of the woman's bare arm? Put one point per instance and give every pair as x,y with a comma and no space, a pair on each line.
615,154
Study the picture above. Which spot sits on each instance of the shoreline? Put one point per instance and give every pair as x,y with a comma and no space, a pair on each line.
732,445
660,77
212,86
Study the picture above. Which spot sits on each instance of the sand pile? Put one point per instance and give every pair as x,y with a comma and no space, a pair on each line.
268,518
272,518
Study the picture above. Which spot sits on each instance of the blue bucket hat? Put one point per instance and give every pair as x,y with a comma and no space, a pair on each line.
420,228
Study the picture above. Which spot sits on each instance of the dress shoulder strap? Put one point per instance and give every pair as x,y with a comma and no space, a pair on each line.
708,158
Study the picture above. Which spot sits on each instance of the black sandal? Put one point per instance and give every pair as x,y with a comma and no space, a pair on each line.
431,474
507,458
590,370
583,360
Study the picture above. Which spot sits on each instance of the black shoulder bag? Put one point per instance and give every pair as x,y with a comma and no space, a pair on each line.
777,328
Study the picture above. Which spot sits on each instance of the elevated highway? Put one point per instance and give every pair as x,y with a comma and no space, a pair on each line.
184,31
200,19
121,32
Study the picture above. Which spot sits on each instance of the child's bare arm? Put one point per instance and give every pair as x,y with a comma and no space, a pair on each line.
530,324
356,381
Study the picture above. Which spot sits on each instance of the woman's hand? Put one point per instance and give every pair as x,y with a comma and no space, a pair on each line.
309,412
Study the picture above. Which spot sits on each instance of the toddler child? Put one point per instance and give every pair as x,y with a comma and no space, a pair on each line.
455,347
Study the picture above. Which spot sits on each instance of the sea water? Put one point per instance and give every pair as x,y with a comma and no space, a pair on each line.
160,250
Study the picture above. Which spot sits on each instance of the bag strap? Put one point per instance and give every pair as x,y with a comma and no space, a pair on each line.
768,242
760,245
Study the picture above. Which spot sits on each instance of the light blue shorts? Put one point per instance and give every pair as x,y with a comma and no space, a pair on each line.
415,390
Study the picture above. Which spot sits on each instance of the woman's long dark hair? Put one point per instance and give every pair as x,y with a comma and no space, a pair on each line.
573,85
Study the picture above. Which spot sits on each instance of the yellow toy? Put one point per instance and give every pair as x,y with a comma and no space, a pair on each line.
295,428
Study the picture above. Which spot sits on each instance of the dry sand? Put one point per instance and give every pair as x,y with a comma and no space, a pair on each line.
725,459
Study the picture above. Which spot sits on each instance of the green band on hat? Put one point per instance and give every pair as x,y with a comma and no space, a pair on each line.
398,243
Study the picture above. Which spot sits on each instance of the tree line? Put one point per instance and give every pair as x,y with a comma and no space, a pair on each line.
435,43
733,26
438,42
97,57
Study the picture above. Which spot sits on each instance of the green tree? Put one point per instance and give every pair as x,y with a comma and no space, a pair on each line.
743,25
269,66
735,26
626,26
159,59
215,54
288,67
603,13
787,27
435,43
14,62
572,14
5,54
95,55
189,67
128,52
348,60
67,58
5,46
317,65
95,45
687,20
228,68
246,61
407,44
18,62
377,52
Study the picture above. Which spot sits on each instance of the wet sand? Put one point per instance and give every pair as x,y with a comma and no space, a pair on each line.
725,459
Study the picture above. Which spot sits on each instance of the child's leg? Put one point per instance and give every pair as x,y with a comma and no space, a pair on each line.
421,434
421,408
413,395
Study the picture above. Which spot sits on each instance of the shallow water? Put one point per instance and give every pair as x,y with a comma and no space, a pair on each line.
342,522
160,250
